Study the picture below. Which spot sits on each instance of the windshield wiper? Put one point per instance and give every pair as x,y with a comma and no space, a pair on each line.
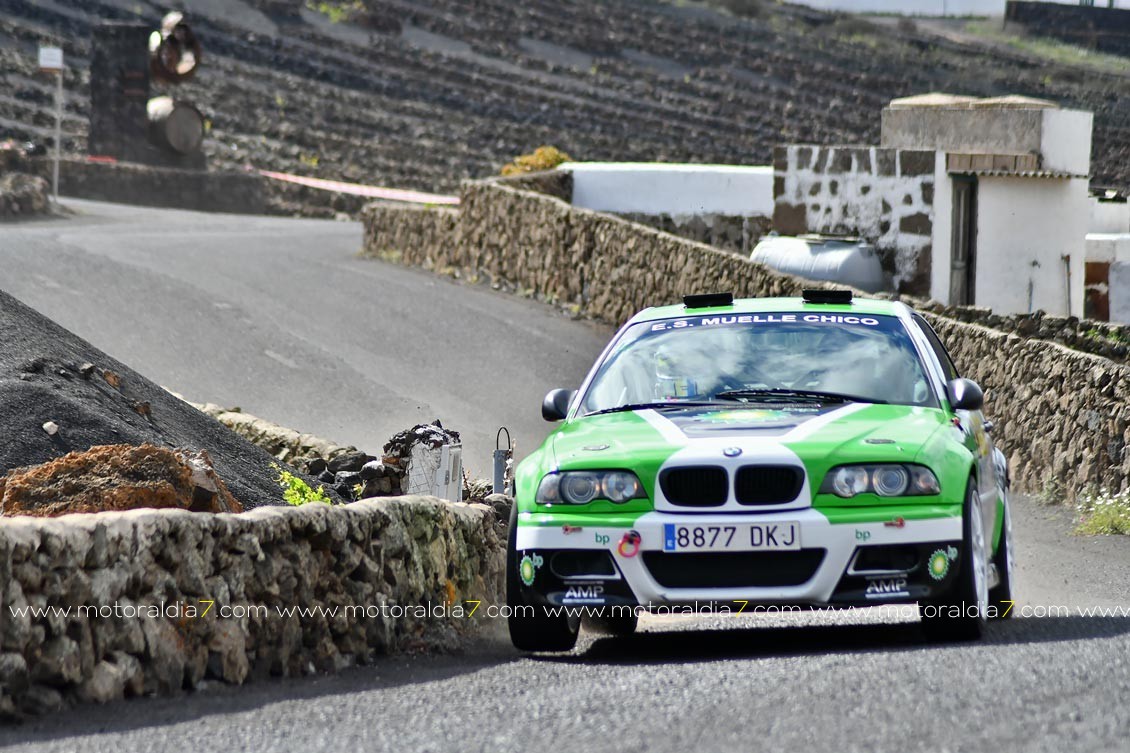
655,406
786,395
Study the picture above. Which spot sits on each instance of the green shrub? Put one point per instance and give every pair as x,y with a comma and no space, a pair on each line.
337,12
1103,513
297,492
542,158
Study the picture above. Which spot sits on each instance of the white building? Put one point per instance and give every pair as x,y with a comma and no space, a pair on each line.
974,201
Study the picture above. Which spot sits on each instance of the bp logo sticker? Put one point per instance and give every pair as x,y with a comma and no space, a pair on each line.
528,568
938,564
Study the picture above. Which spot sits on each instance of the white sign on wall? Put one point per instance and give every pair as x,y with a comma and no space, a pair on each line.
51,59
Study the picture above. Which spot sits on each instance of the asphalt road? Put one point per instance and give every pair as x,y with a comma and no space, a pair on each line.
843,682
280,317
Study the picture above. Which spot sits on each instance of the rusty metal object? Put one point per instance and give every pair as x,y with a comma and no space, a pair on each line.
174,50
175,125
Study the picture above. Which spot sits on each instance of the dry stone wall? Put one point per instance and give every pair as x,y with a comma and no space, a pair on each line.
99,606
23,196
1062,416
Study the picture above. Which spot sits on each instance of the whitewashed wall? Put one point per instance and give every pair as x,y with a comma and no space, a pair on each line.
673,189
1024,228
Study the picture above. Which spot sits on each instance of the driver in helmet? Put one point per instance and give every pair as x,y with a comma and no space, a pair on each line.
672,379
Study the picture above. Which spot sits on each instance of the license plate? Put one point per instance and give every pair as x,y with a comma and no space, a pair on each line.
744,537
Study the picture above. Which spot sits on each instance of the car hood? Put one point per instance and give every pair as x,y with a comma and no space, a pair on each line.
855,432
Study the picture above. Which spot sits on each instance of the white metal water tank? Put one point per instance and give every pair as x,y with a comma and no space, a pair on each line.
848,261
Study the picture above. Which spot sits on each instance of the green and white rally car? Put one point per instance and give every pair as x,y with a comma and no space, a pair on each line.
797,452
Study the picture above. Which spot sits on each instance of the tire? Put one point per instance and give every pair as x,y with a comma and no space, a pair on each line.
531,629
969,593
619,625
1000,595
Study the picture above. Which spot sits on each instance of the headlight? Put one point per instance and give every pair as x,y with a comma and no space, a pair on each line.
579,488
890,480
850,480
620,486
885,479
582,487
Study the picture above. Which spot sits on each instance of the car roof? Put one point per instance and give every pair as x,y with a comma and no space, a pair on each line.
871,306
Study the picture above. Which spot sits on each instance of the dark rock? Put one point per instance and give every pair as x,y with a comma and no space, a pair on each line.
316,467
347,477
349,461
327,477
373,469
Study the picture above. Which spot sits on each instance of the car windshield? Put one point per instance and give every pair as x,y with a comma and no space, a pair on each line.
758,357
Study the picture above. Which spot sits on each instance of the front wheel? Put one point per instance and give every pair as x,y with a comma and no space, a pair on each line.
1000,595
960,614
532,628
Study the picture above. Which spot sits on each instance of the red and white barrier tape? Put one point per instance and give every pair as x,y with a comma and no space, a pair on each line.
356,189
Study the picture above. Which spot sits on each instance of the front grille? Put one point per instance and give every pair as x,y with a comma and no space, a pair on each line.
695,486
733,569
767,484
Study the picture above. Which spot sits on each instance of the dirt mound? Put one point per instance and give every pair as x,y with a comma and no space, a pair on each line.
117,477
59,394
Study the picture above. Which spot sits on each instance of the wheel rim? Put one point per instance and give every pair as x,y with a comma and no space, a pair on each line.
980,574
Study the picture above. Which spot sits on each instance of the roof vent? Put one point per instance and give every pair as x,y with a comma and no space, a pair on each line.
707,300
827,296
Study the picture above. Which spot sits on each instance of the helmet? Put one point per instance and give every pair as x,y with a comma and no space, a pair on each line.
671,379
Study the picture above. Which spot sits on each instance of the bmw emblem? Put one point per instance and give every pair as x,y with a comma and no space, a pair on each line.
732,452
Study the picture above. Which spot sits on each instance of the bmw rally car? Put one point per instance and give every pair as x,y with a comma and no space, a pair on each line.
814,452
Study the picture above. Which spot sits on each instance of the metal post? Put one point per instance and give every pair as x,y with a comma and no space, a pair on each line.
58,134
502,456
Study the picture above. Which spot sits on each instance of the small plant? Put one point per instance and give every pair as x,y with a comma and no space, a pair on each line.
1112,335
1053,493
336,12
296,491
1103,513
542,158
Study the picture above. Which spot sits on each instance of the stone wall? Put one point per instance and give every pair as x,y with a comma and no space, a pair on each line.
725,231
1061,416
99,606
885,196
23,196
287,445
1059,413
593,264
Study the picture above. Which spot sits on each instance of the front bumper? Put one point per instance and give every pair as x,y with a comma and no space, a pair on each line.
600,560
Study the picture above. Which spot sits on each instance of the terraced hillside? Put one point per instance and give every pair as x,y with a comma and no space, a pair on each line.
424,93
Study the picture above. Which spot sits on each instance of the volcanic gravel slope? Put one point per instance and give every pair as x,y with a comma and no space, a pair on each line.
429,92
42,379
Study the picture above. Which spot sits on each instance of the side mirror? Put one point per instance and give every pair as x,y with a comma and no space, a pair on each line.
555,406
964,394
